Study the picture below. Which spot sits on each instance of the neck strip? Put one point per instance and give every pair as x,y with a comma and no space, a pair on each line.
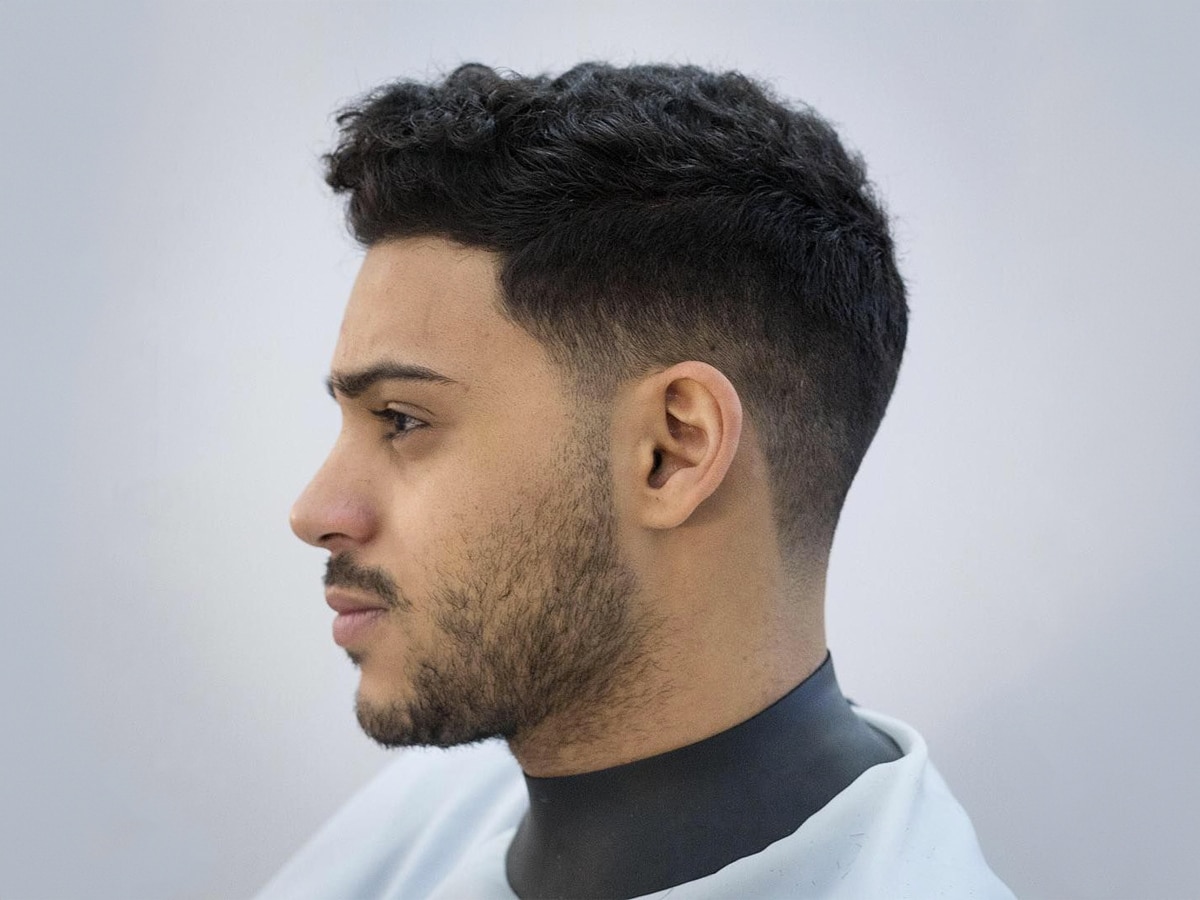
678,816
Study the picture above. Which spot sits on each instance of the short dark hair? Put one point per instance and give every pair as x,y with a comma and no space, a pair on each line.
654,214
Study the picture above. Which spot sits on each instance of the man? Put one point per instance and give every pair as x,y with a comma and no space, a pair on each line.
618,345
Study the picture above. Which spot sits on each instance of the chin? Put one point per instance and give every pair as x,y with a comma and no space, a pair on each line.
385,721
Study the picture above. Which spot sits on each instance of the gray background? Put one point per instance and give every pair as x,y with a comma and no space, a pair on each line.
1016,570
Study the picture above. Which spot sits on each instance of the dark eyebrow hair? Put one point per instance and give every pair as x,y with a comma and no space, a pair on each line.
356,383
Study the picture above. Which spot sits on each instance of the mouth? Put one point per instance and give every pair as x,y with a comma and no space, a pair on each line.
356,616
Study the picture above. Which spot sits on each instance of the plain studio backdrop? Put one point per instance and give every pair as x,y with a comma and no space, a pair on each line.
1015,574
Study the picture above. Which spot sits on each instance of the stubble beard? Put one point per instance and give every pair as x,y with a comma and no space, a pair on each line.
543,624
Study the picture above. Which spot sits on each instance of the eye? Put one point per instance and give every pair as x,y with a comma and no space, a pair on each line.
402,423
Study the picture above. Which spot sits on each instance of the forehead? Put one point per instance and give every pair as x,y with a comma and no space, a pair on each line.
428,301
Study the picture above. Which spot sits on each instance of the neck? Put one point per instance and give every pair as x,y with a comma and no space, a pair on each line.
710,664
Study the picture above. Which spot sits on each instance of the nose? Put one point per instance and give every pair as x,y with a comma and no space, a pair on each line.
335,509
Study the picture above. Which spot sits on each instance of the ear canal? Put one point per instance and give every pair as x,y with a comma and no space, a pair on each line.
655,479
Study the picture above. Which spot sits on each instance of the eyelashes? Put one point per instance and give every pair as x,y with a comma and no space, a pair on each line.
401,422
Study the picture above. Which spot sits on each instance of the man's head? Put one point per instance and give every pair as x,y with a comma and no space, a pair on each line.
575,254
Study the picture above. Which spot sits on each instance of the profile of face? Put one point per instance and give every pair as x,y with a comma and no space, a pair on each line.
467,507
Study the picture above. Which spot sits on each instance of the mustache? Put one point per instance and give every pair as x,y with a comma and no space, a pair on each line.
343,571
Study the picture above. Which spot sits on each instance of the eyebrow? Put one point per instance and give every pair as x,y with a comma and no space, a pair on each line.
358,382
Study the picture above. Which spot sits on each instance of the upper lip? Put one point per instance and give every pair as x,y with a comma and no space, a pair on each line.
342,602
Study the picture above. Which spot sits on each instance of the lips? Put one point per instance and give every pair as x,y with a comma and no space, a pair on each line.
343,602
356,616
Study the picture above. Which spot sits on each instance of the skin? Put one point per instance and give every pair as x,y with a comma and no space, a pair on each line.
596,585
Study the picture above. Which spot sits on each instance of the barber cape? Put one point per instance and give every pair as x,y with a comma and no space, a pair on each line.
438,823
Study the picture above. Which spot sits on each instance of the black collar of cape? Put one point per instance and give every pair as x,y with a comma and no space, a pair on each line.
672,818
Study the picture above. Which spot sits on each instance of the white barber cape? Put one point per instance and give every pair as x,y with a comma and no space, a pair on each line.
437,824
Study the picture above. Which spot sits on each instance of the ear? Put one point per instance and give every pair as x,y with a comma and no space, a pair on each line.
689,423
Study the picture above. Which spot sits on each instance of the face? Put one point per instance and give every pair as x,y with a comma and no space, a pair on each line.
467,509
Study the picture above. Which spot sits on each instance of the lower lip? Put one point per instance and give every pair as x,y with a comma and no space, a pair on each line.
351,627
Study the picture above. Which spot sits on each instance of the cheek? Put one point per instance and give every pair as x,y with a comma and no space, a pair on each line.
435,522
466,493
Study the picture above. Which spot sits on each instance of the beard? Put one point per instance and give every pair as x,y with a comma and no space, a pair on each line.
540,623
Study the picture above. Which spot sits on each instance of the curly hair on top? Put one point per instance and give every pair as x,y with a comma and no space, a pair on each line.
652,214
